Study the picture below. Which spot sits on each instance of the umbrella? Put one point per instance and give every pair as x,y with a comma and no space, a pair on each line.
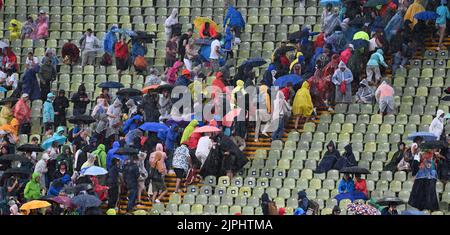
3,44
180,123
94,170
35,204
425,135
199,21
129,92
426,15
436,144
18,171
412,212
374,3
332,2
127,151
86,200
63,200
146,89
165,87
362,209
360,43
202,41
30,148
153,127
354,170
14,157
446,98
387,201
290,78
8,100
82,119
114,85
2,89
76,189
254,62
206,129
49,142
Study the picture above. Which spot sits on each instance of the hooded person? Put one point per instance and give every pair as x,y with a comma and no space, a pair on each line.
114,117
373,65
347,160
48,112
302,106
437,125
188,131
329,159
365,93
31,84
47,74
265,203
66,157
281,108
396,158
157,161
172,73
342,79
112,154
80,101
60,104
337,40
385,98
110,39
100,153
57,185
41,169
264,109
347,53
132,123
170,21
151,100
133,137
303,201
33,188
132,108
412,10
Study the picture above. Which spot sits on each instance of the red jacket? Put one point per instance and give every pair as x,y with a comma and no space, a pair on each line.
361,186
193,140
121,50
286,93
345,55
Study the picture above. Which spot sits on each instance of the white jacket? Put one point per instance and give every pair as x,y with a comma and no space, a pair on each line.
204,146
437,126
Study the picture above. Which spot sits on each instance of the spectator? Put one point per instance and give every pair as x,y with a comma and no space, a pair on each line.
113,183
88,45
31,61
170,22
60,104
437,125
28,29
180,164
33,189
303,106
22,112
48,113
342,79
279,115
171,51
14,29
207,30
329,159
42,25
215,53
80,100
385,98
47,74
131,176
157,173
183,43
373,66
365,93
121,54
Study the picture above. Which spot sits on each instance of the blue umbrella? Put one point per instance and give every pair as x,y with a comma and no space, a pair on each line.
2,89
115,85
49,142
153,127
425,135
86,200
253,62
332,2
426,15
290,78
412,212
94,170
360,43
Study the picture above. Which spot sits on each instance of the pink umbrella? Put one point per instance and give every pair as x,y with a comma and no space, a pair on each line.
206,129
229,117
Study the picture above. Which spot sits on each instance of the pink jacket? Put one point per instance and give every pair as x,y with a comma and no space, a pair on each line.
345,55
172,72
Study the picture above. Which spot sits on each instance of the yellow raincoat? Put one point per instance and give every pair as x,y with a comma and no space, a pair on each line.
194,89
239,87
5,115
12,127
413,9
296,61
14,31
302,102
263,90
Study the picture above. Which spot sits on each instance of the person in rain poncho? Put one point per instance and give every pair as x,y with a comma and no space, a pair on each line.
6,114
31,84
347,53
172,73
170,21
158,186
48,112
41,169
14,30
302,106
132,108
413,9
394,25
441,21
373,66
22,112
132,123
328,11
99,114
337,40
188,131
347,160
114,118
203,148
112,154
152,78
42,25
33,189
165,105
280,112
329,159
263,111
60,104
342,79
395,160
80,101
437,125
110,39
28,29
365,93
385,98
234,94
100,153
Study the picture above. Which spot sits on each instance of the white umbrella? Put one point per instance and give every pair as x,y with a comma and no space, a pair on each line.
94,171
3,44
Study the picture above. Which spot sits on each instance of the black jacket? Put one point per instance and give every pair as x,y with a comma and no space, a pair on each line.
60,104
131,175
78,104
113,176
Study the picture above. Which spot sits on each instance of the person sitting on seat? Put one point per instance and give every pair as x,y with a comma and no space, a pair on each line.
207,31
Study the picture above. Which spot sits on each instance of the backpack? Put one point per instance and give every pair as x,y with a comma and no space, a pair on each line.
140,63
273,210
106,60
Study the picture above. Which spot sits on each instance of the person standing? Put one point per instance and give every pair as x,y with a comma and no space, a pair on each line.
203,148
60,104
88,45
170,21
441,21
48,113
131,176
31,61
33,188
171,51
280,112
121,54
342,79
263,111
437,125
113,182
47,74
385,98
22,112
180,164
302,106
80,100
183,42
373,66
215,53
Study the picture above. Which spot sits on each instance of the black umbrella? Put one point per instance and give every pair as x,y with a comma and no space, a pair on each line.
18,171
82,119
354,170
446,98
77,189
86,200
295,36
387,201
14,157
129,92
30,148
127,151
116,85
165,87
436,144
12,100
253,62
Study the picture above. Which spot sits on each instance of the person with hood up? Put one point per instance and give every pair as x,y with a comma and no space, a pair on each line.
158,172
60,104
48,113
159,149
437,125
373,66
47,74
132,123
99,114
9,60
328,11
238,91
360,185
172,73
391,209
184,79
413,9
207,30
151,100
41,169
170,21
31,84
14,30
22,112
188,131
113,182
385,98
396,158
180,164
169,139
347,53
303,201
112,154
5,114
280,112
80,101
100,153
101,191
114,117
132,108
365,93
66,157
347,160
131,175
203,148
33,188
329,159
121,53
263,111
342,79
302,106
110,40
57,185
337,40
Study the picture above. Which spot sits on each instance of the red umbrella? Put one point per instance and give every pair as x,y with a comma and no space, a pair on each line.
229,117
206,129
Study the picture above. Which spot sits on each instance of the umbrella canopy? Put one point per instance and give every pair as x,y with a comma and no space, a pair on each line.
30,148
332,2
86,200
82,119
2,89
374,3
12,100
165,87
203,41
3,44
446,98
114,85
63,200
146,89
127,151
436,144
49,142
362,209
153,127
95,170
425,135
17,171
354,170
284,80
206,129
129,92
360,43
14,157
426,15
253,62
387,201
35,204
199,21
77,189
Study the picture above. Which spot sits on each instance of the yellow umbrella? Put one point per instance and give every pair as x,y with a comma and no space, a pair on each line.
35,204
199,21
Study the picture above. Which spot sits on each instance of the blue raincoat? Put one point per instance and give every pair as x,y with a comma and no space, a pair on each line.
31,84
112,154
233,18
55,188
137,49
110,40
130,124
169,137
228,39
393,26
